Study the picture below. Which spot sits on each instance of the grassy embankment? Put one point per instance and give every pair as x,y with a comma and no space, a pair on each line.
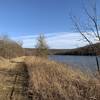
49,80
53,81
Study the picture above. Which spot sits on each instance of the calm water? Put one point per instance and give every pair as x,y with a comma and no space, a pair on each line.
82,62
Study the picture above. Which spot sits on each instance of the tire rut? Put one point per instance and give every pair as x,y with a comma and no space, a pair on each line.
16,83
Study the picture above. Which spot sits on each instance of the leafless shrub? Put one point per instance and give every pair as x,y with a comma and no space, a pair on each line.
9,48
41,46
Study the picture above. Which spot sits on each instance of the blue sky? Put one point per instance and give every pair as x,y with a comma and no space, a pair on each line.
25,19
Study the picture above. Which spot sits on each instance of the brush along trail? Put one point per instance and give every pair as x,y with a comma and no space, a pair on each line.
14,82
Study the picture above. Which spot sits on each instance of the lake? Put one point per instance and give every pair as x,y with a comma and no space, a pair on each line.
82,62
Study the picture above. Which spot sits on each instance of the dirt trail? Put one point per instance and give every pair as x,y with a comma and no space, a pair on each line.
14,83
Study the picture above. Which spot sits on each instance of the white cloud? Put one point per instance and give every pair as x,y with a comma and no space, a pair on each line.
66,40
55,40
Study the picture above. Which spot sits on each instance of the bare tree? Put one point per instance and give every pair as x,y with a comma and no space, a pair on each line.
90,30
20,42
41,46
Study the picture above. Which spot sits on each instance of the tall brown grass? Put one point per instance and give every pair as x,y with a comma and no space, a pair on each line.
54,81
4,63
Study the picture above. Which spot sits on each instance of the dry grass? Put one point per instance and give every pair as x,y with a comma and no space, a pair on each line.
17,59
53,81
4,63
7,64
13,77
10,63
